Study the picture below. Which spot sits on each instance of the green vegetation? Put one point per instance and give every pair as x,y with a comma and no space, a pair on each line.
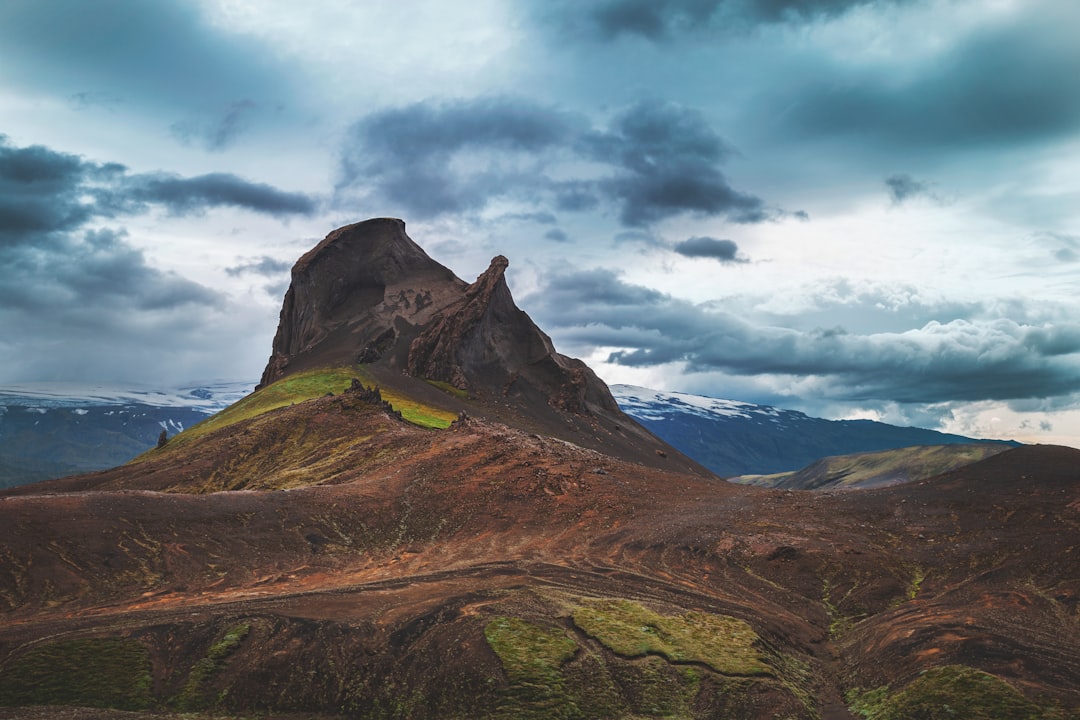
299,388
95,672
287,391
532,657
918,575
632,663
529,653
418,413
192,696
949,692
448,388
551,676
838,624
725,644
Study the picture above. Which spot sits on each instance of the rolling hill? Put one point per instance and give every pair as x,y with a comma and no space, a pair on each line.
877,469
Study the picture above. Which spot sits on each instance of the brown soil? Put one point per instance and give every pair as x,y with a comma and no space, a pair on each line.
396,554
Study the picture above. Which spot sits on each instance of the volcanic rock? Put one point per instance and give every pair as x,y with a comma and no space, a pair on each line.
350,291
368,294
485,342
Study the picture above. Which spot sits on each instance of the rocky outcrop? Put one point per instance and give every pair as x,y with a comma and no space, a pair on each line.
348,292
486,343
369,294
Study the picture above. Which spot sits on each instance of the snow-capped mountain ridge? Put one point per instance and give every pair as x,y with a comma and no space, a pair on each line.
207,397
657,404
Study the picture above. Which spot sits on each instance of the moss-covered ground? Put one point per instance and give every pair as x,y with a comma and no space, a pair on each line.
725,644
92,672
532,657
297,388
947,693
193,696
619,659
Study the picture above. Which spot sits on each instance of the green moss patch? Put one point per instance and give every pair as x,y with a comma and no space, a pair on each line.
193,696
448,388
953,691
97,672
532,657
529,652
725,644
418,413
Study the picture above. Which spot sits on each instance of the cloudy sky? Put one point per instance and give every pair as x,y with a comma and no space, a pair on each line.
855,208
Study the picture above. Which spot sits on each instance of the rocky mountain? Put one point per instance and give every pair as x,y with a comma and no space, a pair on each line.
369,295
734,438
322,550
51,430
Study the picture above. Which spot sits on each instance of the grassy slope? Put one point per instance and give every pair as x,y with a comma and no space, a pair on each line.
677,667
298,388
876,468
952,691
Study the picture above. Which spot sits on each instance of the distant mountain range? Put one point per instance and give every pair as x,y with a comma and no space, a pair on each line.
737,438
51,430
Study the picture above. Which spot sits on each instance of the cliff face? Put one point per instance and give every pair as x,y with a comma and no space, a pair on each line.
348,292
484,342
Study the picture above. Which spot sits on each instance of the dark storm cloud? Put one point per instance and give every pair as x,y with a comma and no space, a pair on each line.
90,277
411,152
1003,85
162,54
44,192
706,247
665,20
53,259
957,360
575,196
669,161
658,160
187,195
265,266
66,277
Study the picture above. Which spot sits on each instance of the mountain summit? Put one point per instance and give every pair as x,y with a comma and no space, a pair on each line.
353,294
369,295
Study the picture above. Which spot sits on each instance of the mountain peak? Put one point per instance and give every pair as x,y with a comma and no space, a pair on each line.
369,295
486,344
347,293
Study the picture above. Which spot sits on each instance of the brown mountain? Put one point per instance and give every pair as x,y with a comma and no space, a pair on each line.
330,558
369,294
